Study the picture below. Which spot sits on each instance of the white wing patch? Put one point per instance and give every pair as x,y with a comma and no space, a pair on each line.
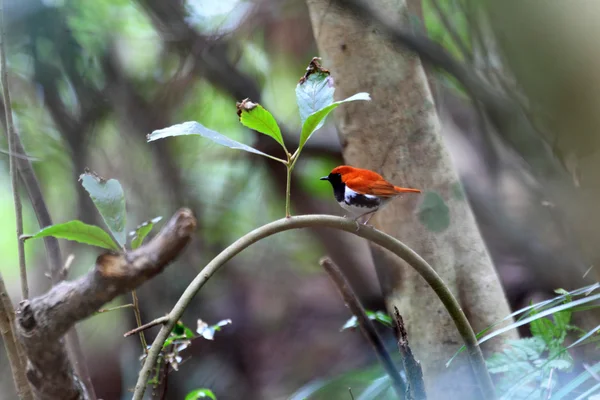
350,194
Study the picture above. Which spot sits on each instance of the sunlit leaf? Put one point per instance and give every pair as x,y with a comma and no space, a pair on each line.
254,116
195,128
315,90
78,232
142,231
316,120
200,394
109,199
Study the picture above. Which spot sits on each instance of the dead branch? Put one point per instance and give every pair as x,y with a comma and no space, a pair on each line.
42,321
364,323
412,368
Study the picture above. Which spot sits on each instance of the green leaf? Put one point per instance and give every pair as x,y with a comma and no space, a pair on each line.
316,120
540,315
195,128
200,394
78,232
109,199
255,116
142,231
181,330
314,92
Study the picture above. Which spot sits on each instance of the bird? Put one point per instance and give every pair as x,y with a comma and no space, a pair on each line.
361,191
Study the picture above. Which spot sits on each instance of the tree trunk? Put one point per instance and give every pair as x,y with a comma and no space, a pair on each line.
398,135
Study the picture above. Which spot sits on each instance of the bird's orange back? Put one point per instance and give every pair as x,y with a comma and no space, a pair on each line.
365,181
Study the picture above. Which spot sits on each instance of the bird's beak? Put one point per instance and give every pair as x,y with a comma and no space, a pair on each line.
325,178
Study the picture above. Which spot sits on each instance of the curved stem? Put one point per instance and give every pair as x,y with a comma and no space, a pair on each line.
344,224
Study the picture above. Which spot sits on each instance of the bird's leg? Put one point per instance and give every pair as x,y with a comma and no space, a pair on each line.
367,220
370,216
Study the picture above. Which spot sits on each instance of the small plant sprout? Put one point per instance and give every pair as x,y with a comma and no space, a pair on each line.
314,95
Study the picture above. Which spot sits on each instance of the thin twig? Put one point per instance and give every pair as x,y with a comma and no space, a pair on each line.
138,320
157,321
11,132
365,324
103,310
414,373
326,221
16,361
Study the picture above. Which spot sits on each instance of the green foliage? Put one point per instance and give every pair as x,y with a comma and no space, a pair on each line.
181,338
378,316
109,199
254,116
314,95
531,367
195,128
200,394
78,232
315,92
316,120
142,231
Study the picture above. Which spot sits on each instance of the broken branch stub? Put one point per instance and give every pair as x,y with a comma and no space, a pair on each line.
42,321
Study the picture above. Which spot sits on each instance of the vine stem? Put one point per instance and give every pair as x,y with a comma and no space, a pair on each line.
138,320
326,221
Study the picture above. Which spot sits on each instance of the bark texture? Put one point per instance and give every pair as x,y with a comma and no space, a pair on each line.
43,321
398,135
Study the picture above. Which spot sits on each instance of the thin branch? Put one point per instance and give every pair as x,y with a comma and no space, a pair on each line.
365,324
138,320
158,321
15,359
327,221
414,373
11,132
42,321
103,310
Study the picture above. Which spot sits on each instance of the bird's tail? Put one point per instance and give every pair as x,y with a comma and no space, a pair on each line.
406,190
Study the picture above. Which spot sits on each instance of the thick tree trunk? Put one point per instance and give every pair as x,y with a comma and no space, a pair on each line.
398,135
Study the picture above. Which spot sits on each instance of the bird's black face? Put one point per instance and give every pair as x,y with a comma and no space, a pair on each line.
338,186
